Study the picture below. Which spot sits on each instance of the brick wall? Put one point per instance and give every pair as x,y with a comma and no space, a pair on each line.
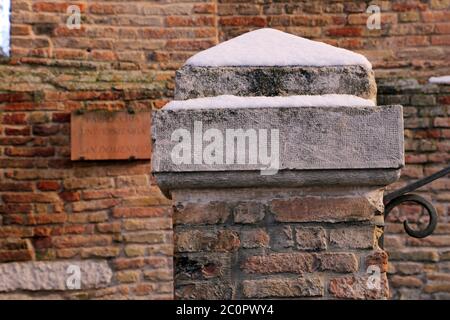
125,55
286,243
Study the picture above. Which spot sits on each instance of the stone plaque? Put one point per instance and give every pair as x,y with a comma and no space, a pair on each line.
104,135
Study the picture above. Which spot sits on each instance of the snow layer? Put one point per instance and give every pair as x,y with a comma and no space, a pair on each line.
270,47
443,79
235,102
4,27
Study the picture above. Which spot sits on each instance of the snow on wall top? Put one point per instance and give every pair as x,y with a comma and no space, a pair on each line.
442,80
270,47
235,102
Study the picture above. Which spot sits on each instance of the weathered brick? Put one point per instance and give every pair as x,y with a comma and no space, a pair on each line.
320,209
80,206
193,267
205,290
141,212
92,183
336,262
14,249
204,240
144,237
310,238
283,288
414,255
81,241
201,213
377,258
356,287
281,237
405,281
147,224
100,252
279,263
128,276
248,212
354,238
254,238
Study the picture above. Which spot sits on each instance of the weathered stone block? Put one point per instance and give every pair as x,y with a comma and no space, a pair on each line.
315,144
196,82
35,276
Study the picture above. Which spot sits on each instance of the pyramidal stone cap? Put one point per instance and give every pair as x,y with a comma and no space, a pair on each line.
269,62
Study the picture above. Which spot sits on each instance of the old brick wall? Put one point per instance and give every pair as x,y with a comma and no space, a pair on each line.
52,208
283,243
125,55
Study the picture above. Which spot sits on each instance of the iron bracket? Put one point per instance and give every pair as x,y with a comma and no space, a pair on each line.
403,195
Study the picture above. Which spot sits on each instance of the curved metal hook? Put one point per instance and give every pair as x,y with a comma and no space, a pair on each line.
421,201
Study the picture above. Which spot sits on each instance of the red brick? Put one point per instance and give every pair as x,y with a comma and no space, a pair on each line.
15,131
345,32
74,241
61,117
279,263
14,118
330,209
243,21
45,130
30,197
69,196
30,152
201,213
15,97
183,21
48,185
141,212
11,186
355,287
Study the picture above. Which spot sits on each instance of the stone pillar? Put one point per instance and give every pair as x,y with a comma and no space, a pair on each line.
305,227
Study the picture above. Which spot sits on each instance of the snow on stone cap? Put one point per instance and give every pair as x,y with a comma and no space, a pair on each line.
440,80
235,102
271,47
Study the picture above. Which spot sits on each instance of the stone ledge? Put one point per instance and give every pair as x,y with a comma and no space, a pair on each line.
288,179
196,82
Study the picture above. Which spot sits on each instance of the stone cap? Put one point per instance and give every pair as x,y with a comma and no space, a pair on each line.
314,145
269,62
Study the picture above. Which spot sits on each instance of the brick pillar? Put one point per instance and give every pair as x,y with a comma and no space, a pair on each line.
308,229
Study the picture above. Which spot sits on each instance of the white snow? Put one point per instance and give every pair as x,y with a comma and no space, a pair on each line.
235,102
443,79
270,47
4,27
